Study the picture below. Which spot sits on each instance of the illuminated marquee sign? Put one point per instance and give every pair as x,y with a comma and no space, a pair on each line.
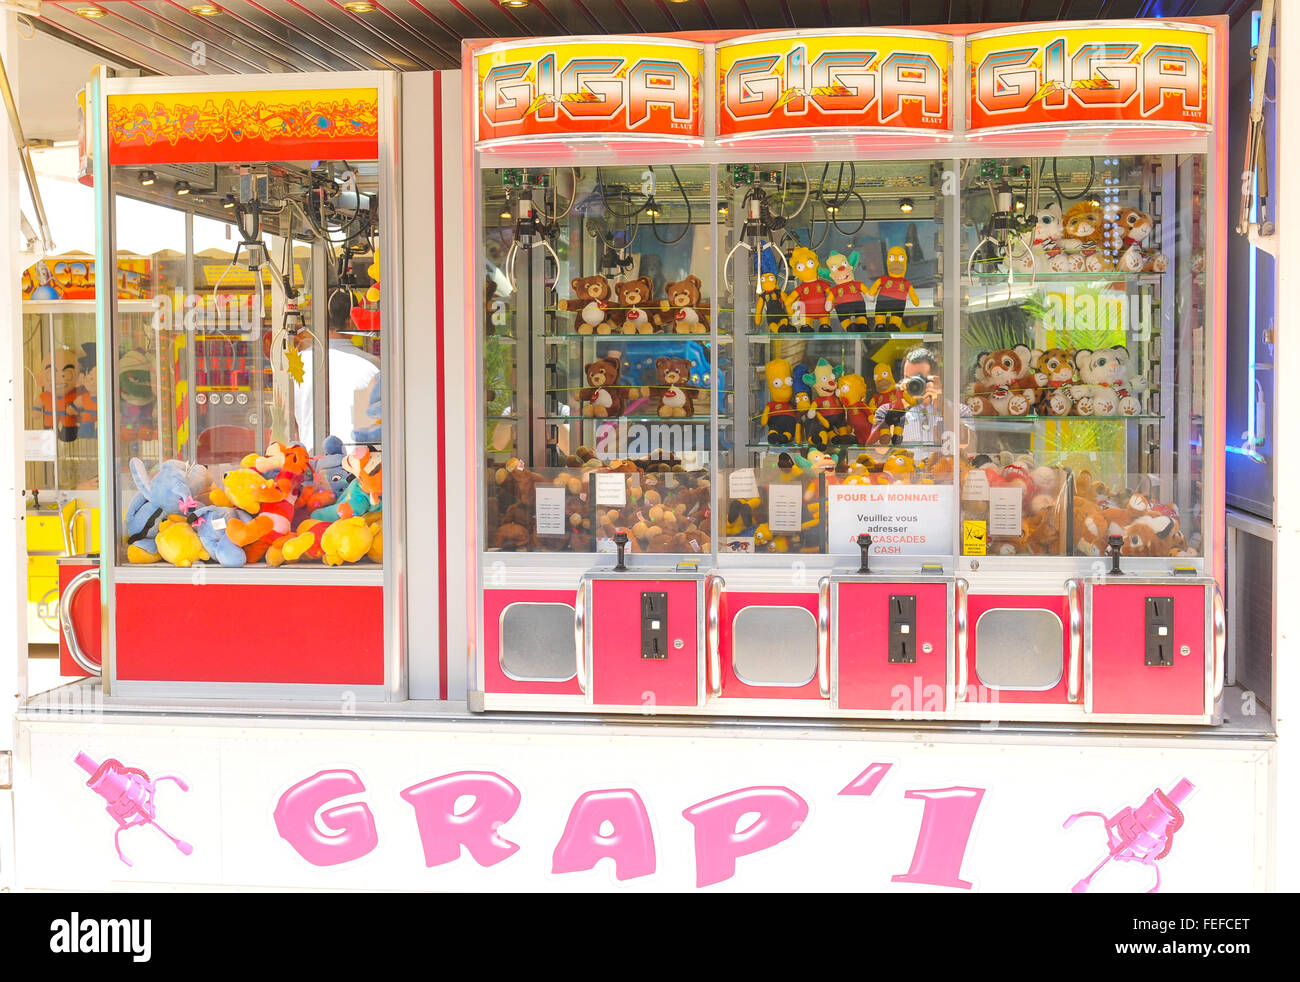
213,127
781,82
606,87
1134,73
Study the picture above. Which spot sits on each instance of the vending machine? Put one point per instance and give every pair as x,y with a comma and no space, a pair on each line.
806,385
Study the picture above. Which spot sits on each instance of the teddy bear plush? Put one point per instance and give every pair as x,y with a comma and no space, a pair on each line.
591,304
1104,387
630,314
1040,250
675,399
1004,383
684,312
602,396
1054,375
1083,235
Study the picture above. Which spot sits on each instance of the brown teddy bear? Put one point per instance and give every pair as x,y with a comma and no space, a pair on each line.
632,317
592,295
602,397
1053,373
684,312
675,399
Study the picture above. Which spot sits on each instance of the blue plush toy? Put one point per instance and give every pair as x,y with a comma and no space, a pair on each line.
373,433
173,490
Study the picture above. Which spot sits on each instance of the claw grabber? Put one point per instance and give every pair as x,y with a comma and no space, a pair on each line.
527,227
1143,834
129,794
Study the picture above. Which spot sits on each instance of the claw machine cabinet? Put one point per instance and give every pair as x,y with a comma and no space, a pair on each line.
243,415
1091,331
599,367
833,232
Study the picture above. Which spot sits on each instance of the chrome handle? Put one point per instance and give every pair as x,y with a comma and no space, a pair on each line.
69,630
713,587
962,588
1220,642
824,636
72,533
580,634
1076,640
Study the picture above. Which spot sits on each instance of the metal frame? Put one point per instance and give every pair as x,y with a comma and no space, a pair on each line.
392,576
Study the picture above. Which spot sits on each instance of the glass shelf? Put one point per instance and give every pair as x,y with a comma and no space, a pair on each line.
619,336
997,421
835,448
765,337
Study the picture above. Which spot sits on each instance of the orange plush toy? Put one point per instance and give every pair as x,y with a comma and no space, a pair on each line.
285,468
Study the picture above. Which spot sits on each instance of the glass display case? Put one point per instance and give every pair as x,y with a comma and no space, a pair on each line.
248,404
1083,380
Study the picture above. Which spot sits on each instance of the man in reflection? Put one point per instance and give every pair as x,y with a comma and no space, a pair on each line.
923,422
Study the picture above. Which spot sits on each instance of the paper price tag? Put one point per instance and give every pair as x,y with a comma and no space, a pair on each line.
1004,510
785,507
550,511
611,489
743,484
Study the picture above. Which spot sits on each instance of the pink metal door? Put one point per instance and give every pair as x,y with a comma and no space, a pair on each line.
622,673
916,679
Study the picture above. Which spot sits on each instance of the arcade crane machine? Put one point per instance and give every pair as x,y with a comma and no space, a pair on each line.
851,402
227,462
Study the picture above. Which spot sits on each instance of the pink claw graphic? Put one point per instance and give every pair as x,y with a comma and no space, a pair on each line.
129,793
1144,834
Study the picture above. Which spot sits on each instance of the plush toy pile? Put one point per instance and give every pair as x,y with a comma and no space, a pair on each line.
828,407
1044,502
667,508
1057,382
281,507
1089,238
629,307
1149,528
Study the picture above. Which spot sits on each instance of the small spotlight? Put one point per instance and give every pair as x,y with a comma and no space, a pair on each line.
206,10
652,208
147,178
1020,205
515,3
906,206
90,13
228,201
832,209
723,211
359,7
505,214
183,187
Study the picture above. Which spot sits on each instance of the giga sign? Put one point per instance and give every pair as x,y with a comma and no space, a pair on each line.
606,87
1068,76
804,81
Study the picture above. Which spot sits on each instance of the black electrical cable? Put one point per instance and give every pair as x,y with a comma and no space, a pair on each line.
654,226
1061,195
861,221
604,198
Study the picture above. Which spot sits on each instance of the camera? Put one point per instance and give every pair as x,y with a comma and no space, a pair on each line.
914,385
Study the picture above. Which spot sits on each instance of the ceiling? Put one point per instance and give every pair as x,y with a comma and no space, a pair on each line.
254,36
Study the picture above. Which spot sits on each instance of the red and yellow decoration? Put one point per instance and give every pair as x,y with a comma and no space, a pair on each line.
896,80
612,87
1126,73
223,127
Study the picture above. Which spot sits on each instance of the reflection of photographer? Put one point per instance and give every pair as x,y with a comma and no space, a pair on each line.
919,377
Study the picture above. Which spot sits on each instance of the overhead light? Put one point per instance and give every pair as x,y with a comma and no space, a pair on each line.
359,6
206,10
147,178
90,13
652,208
906,206
832,209
182,187
1020,204
723,211
515,3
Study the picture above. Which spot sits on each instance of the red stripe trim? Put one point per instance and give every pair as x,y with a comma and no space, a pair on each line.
441,374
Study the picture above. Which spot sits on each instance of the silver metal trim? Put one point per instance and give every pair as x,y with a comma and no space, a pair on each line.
1076,639
579,634
714,586
962,588
66,598
1220,643
824,637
